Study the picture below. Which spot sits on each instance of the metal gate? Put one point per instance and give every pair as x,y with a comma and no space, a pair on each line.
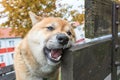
100,58
115,45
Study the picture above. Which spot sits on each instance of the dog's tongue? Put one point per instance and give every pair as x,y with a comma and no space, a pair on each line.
56,53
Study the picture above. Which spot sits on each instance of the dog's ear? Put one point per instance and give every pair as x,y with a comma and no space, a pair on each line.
34,18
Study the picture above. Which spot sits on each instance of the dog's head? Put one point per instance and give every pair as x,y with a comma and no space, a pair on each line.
53,35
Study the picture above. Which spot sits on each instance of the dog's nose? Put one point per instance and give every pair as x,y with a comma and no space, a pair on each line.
62,39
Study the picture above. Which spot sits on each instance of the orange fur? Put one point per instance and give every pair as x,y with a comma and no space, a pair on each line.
29,60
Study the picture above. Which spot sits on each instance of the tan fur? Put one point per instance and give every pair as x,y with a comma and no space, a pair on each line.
29,60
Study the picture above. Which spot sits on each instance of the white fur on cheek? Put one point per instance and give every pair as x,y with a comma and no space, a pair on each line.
36,41
37,37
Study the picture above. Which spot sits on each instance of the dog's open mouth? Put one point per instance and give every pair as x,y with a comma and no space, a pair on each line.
53,54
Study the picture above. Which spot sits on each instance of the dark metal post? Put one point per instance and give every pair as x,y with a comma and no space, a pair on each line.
114,40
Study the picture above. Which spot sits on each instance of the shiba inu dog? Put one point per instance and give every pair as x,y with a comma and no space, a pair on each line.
39,54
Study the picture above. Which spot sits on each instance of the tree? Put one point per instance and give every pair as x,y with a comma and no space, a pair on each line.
18,18
17,13
72,14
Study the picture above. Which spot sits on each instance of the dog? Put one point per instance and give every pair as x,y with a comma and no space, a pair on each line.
38,55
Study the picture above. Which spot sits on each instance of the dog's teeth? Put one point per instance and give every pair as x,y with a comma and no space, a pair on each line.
50,54
54,58
58,58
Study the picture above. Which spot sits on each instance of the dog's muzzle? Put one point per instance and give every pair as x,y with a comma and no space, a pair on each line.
55,54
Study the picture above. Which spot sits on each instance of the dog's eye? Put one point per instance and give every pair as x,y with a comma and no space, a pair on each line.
69,33
50,28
